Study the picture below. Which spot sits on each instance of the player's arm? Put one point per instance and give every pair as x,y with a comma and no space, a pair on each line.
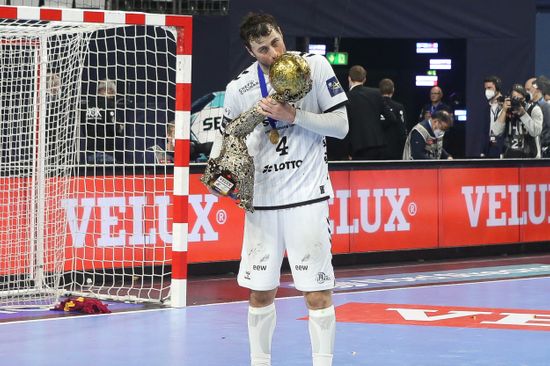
333,123
331,98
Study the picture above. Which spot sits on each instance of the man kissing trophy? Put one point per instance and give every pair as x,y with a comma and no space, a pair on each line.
232,172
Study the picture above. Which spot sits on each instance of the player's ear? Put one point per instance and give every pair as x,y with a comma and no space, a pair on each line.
250,51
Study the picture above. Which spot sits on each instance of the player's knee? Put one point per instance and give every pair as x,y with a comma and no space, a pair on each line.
318,299
259,299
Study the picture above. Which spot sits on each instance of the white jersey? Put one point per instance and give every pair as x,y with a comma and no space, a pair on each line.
295,170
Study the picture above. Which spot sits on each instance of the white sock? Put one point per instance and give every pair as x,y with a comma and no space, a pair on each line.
322,330
261,324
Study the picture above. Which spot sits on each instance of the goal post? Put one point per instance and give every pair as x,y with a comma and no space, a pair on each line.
94,162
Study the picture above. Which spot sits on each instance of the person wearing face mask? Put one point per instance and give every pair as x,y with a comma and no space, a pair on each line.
520,123
425,141
536,89
98,130
492,145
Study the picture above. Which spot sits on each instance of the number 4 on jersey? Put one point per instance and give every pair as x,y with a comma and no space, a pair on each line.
282,147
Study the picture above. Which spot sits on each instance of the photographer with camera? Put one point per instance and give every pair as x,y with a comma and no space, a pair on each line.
492,145
520,122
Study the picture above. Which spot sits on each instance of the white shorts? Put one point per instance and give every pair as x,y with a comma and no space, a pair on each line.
304,232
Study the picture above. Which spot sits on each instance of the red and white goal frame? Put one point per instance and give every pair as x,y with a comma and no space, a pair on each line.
183,29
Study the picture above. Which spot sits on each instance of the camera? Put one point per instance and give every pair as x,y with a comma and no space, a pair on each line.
516,103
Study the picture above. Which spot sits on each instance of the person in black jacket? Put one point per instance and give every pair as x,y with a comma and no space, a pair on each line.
98,125
395,130
365,105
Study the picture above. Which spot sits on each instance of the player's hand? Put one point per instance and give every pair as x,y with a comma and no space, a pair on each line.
278,111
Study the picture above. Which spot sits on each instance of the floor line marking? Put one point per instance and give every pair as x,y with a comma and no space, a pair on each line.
278,299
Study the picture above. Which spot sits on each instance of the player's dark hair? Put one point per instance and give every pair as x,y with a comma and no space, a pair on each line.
257,25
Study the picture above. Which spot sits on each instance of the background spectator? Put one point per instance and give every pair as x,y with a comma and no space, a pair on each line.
520,122
395,131
535,87
436,104
492,144
366,135
98,125
425,141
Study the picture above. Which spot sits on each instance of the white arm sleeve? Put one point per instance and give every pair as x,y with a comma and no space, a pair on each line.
333,124
533,122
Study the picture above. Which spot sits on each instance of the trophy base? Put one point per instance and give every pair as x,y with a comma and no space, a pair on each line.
223,184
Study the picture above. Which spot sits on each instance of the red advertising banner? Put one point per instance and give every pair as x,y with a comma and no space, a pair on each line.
535,204
119,220
122,218
390,209
215,225
479,206
339,211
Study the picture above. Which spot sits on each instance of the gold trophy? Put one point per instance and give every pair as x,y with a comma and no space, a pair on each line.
232,172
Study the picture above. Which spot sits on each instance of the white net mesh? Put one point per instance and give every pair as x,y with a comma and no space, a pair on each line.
84,190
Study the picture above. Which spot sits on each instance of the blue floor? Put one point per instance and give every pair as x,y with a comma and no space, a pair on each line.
212,335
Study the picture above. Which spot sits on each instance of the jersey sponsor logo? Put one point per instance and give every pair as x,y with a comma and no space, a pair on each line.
248,86
444,316
301,267
334,87
322,277
259,267
293,164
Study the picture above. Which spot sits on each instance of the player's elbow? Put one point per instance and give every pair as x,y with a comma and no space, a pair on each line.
342,132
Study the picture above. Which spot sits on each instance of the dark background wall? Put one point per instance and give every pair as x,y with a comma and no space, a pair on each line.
499,35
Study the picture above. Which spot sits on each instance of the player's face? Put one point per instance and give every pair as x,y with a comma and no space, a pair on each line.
267,49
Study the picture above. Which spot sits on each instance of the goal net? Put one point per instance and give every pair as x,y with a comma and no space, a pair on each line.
88,124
